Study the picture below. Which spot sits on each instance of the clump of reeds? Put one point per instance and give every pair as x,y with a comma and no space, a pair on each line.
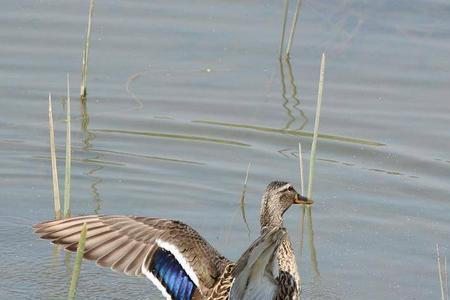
77,263
443,274
68,164
84,67
67,187
55,184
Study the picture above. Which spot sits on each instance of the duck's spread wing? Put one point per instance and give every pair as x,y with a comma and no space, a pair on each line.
170,253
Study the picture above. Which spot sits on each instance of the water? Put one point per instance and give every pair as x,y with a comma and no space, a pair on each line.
183,95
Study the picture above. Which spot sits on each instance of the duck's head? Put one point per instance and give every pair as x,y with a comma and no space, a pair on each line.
277,198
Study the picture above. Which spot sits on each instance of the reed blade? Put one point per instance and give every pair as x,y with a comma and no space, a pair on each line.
67,174
84,68
55,183
312,247
294,132
312,161
293,27
300,165
283,27
446,277
244,190
302,231
77,264
438,258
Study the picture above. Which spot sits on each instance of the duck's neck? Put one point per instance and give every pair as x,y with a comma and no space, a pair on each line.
271,215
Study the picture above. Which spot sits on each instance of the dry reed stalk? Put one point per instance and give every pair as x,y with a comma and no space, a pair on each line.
244,190
446,277
312,161
300,164
67,174
56,198
84,68
283,27
438,258
293,27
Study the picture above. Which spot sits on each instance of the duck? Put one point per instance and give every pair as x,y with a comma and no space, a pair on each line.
180,262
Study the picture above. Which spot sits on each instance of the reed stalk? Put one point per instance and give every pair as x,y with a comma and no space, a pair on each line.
293,27
302,231
438,258
300,164
312,248
283,27
244,190
446,277
55,184
84,68
77,264
67,174
312,161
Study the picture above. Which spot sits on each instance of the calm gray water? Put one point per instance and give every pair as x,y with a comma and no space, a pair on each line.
184,94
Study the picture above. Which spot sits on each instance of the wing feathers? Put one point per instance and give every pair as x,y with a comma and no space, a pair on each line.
80,219
127,243
93,241
122,264
69,229
103,248
116,254
69,237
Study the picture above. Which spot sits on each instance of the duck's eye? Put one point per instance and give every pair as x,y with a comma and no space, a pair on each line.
290,189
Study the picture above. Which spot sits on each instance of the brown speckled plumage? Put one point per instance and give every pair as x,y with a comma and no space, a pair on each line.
128,245
271,217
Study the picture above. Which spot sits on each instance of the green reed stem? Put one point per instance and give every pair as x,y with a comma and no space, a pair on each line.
312,161
55,184
77,264
67,174
84,68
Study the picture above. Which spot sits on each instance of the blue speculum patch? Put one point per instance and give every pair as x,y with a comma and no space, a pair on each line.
172,276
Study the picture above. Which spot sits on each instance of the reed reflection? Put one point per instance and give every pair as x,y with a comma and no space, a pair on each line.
292,100
88,138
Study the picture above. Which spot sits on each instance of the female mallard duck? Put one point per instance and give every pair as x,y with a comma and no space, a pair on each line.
181,263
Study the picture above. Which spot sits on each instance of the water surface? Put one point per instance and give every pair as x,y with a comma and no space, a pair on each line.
183,95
